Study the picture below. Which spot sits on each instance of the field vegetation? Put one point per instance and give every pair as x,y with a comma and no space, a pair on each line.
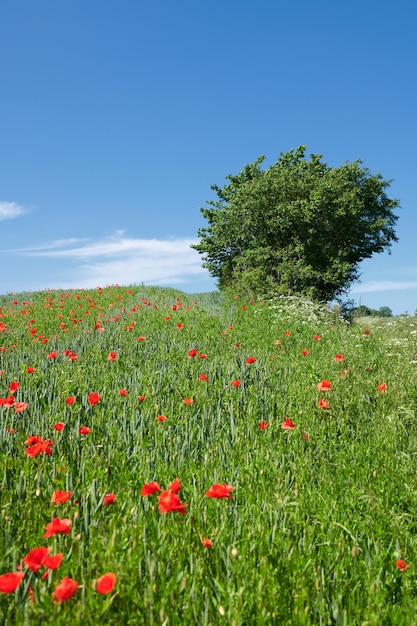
172,459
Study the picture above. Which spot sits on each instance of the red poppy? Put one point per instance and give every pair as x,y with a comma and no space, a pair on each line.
382,387
52,355
192,353
339,358
57,526
105,584
84,430
37,446
324,385
161,418
149,489
250,359
219,491
59,497
54,561
288,424
142,398
287,333
141,338
202,355
59,426
402,565
304,352
39,557
9,582
207,543
188,401
14,386
112,356
323,404
263,425
93,398
70,400
316,337
169,501
123,392
65,590
20,406
109,498
180,326
366,331
30,370
35,558
203,377
236,383
306,437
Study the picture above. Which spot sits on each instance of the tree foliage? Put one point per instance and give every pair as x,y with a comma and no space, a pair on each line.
299,227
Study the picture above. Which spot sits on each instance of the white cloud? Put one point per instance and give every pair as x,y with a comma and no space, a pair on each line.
10,210
122,260
384,285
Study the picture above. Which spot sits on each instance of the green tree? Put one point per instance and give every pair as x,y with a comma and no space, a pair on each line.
299,227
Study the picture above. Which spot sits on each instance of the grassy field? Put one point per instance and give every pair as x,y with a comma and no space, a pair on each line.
301,426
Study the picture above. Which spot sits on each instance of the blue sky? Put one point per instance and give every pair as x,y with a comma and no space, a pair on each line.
115,119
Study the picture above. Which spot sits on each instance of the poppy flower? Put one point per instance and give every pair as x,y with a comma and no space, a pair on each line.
112,356
219,491
123,392
402,565
323,404
287,333
202,355
188,401
59,426
366,331
288,424
382,387
170,501
142,398
306,437
14,386
263,425
236,383
93,398
9,582
180,326
192,353
149,489
324,385
57,526
207,543
203,377
64,590
30,370
339,358
141,338
109,498
52,355
20,406
59,497
39,557
105,584
70,400
250,359
304,352
35,557
84,430
38,446
161,418
316,337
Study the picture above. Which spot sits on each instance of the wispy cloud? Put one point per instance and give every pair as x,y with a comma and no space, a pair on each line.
10,210
384,285
123,260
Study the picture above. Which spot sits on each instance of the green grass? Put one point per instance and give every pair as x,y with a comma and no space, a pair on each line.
315,525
